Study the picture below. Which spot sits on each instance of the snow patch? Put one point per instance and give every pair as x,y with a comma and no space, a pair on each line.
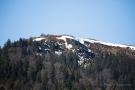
73,50
39,54
80,62
38,39
39,48
81,40
89,50
106,43
69,46
59,43
58,52
64,37
47,49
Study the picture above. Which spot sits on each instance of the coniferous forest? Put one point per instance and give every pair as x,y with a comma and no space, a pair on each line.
23,66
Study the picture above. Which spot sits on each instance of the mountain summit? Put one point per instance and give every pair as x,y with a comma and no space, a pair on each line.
83,40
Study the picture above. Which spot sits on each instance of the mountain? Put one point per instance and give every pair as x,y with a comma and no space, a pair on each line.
65,62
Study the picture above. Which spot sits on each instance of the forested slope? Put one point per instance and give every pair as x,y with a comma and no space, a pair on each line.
25,66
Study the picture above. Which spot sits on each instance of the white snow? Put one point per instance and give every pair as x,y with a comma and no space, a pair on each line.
38,39
55,44
45,44
64,37
73,50
115,45
59,43
47,49
87,45
81,59
39,48
81,40
106,43
89,50
69,46
58,52
45,40
80,62
39,54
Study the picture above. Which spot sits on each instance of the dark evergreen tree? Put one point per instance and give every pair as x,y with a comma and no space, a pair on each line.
38,77
52,72
38,63
8,43
44,82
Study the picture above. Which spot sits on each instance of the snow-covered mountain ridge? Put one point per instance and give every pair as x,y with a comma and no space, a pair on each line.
85,49
82,40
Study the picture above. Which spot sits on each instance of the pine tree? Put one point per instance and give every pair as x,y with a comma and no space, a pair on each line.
52,72
44,82
38,77
38,63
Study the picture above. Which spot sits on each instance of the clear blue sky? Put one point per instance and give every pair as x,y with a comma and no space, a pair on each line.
105,20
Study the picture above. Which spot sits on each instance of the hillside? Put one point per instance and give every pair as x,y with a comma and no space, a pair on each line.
64,62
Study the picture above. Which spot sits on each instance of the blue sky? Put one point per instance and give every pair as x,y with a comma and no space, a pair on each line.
105,20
